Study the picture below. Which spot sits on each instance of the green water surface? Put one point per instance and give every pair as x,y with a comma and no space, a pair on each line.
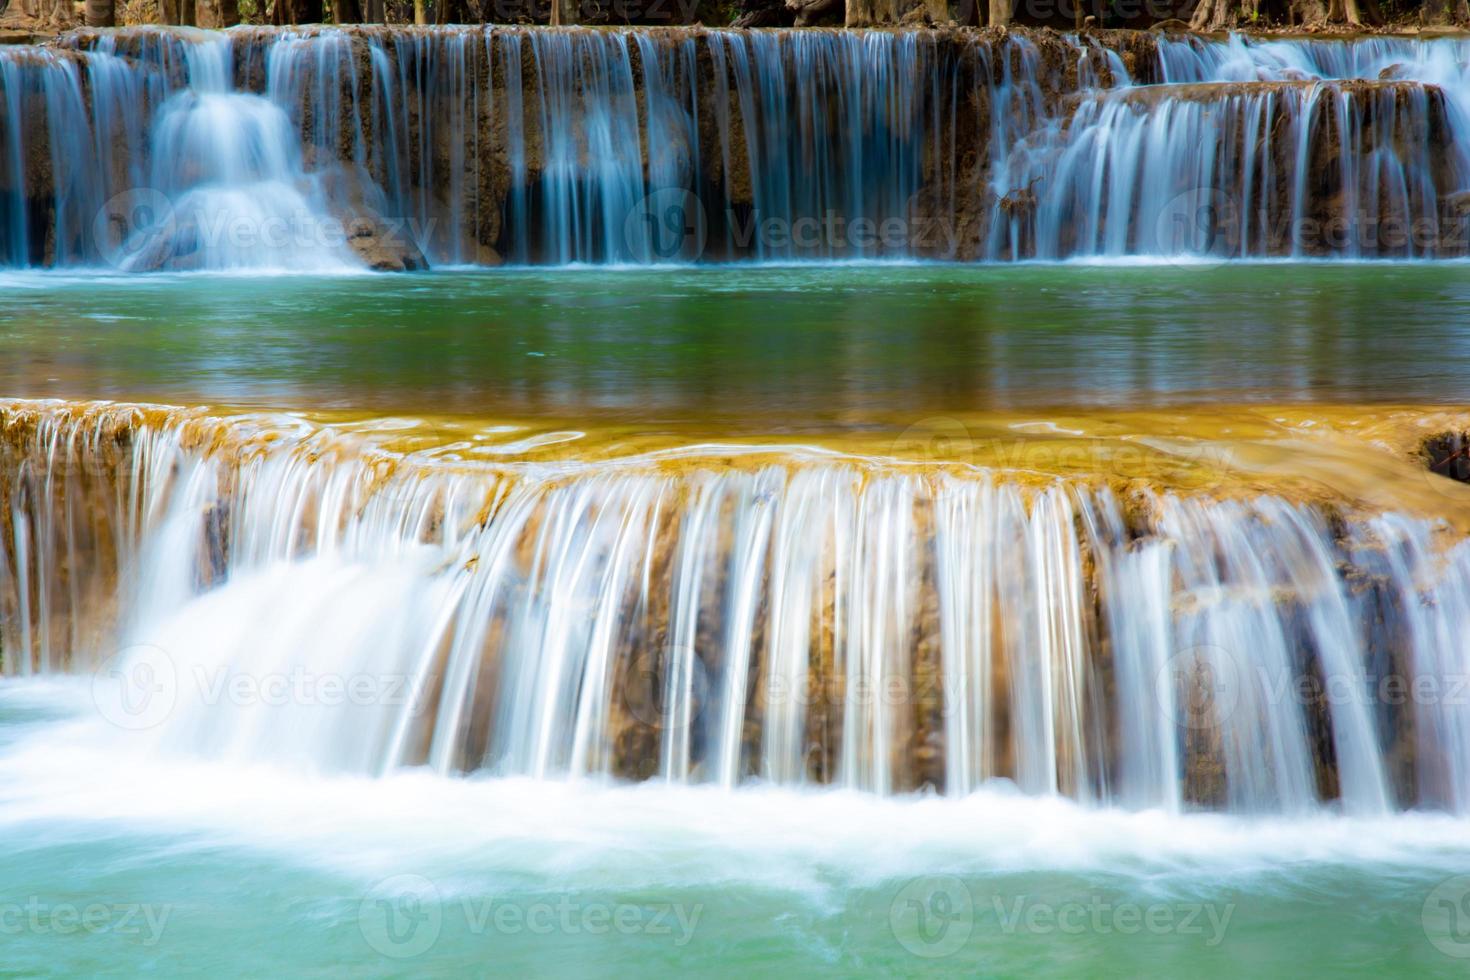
804,346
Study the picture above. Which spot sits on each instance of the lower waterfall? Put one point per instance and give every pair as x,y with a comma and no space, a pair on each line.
730,616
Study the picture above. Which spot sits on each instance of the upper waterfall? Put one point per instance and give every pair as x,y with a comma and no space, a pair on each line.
392,147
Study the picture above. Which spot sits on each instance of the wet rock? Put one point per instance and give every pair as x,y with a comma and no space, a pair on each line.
1457,203
1447,454
772,15
810,13
1358,91
381,247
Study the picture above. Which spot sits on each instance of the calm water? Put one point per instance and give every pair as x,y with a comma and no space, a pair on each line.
185,867
806,346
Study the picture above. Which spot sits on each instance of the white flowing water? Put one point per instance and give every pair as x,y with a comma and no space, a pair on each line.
184,865
229,180
305,600
575,146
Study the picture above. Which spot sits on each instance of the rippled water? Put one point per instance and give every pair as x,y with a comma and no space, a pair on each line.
751,346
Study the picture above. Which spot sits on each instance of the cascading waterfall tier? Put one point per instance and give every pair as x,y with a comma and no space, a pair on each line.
734,615
1243,169
391,147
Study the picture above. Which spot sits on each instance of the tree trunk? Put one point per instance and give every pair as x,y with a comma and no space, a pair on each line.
101,13
1214,15
871,13
291,12
180,12
1000,13
805,13
346,12
420,11
216,13
1209,15
941,12
53,13
1358,13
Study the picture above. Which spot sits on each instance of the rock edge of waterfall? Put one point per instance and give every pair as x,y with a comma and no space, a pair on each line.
818,621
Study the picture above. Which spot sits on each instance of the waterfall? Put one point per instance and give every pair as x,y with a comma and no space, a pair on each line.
231,185
394,147
1230,171
731,617
71,136
144,172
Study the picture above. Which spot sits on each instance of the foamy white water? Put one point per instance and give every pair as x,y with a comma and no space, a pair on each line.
75,776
